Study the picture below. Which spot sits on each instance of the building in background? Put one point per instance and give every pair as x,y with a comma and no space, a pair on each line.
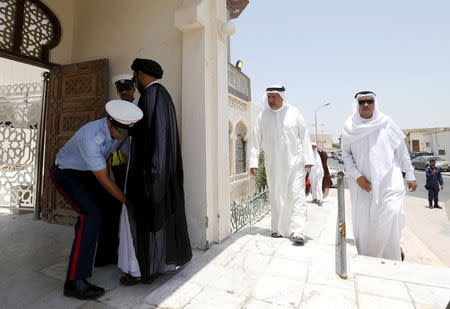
324,141
439,143
417,139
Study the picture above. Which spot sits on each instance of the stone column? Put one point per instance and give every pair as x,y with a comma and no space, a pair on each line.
204,127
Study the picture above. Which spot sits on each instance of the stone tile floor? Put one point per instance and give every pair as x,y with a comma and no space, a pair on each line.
249,270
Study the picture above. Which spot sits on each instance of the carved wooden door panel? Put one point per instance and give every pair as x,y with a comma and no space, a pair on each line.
77,94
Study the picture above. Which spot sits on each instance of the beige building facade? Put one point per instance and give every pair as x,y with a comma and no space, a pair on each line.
439,143
417,140
324,141
241,121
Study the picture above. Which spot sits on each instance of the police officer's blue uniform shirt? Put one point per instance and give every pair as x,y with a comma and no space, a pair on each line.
434,180
89,148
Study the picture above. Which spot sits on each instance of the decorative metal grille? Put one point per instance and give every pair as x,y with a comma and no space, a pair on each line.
7,14
38,30
20,109
28,30
249,210
240,155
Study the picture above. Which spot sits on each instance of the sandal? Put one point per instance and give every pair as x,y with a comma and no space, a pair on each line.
298,239
276,235
130,280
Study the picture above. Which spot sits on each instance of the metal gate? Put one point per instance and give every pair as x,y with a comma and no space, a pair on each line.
20,117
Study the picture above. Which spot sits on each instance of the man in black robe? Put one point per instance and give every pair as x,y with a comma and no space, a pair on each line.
156,219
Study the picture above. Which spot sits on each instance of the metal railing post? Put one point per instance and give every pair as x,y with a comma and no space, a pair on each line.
41,144
341,231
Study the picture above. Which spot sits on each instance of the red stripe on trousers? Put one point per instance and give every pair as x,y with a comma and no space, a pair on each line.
79,236
76,253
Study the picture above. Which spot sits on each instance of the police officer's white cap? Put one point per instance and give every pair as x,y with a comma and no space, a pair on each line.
122,78
313,144
123,112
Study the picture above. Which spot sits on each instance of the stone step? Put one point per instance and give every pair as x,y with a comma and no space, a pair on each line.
400,271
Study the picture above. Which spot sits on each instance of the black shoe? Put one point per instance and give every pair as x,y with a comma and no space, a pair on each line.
437,206
81,289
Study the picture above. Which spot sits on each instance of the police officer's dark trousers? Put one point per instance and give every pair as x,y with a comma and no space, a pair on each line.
86,196
433,193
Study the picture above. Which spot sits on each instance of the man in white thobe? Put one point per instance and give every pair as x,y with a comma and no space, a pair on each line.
281,133
375,154
316,177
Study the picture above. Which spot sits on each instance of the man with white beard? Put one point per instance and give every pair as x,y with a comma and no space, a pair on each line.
375,154
316,177
282,134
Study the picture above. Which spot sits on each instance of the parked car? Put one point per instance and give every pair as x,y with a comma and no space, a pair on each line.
423,162
415,154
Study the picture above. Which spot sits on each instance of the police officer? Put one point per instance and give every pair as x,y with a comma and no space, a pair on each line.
434,180
81,175
125,87
125,90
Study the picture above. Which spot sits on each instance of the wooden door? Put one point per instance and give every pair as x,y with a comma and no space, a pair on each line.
77,94
415,145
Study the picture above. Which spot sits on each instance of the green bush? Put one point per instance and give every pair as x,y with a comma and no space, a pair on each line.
261,180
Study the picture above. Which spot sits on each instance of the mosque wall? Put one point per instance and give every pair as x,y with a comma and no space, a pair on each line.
65,11
122,31
189,38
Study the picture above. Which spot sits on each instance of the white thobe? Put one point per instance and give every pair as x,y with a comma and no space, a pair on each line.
378,215
316,177
283,136
127,261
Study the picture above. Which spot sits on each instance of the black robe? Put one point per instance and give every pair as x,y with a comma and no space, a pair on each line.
155,186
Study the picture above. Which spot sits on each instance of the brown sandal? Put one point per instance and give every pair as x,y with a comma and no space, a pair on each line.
276,235
130,280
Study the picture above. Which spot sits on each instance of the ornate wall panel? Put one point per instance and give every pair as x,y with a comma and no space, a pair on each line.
77,95
20,109
238,83
28,30
7,16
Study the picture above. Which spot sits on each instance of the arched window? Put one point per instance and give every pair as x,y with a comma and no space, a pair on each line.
28,30
241,148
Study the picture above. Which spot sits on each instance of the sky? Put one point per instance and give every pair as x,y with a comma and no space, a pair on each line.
326,51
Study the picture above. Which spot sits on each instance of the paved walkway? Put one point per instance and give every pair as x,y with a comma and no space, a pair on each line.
249,270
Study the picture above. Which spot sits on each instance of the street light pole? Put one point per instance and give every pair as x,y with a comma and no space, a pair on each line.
315,119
